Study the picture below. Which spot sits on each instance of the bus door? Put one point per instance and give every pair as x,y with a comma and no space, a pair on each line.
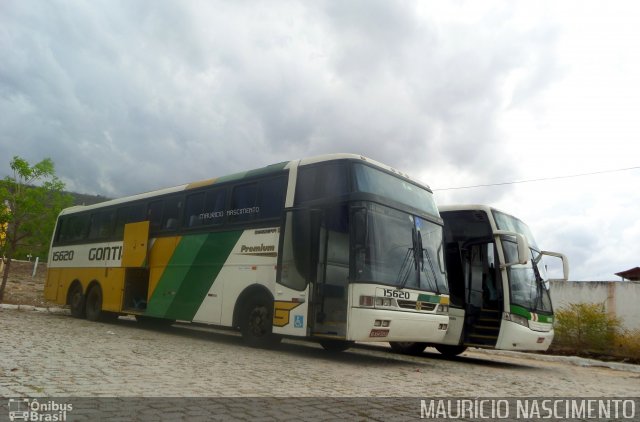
330,293
134,260
484,295
296,272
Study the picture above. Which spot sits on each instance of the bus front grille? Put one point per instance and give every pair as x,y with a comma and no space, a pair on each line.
418,306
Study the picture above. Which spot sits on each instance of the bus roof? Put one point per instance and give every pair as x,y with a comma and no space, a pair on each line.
272,168
466,207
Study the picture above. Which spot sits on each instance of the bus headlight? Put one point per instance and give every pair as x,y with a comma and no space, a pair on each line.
518,320
383,302
442,309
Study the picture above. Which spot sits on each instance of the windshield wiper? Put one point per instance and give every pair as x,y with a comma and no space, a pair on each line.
433,271
405,269
539,284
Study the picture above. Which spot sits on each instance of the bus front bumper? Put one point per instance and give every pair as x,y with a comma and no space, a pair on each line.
514,336
388,325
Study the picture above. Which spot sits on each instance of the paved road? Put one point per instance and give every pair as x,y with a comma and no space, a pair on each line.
45,355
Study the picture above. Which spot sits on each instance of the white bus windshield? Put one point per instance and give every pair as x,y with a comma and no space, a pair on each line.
401,250
512,224
528,287
371,180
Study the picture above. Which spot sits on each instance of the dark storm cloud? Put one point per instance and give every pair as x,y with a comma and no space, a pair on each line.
131,96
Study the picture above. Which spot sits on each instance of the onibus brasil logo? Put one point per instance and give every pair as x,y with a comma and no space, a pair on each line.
33,410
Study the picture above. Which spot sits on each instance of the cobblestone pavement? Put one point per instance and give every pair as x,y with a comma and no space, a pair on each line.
48,355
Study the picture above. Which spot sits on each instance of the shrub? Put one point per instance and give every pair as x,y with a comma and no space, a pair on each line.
586,327
627,345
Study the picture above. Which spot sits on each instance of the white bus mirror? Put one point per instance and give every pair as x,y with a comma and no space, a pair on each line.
565,264
522,245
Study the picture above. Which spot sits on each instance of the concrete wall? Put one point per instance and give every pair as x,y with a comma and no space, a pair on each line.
620,298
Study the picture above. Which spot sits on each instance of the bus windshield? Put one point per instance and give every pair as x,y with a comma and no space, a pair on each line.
400,250
371,180
512,224
528,282
397,243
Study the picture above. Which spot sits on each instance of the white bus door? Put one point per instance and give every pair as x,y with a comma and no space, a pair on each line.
296,258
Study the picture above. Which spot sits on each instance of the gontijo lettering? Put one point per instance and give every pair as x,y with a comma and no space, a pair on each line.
106,253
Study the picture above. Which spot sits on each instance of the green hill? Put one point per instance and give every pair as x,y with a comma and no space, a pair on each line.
85,199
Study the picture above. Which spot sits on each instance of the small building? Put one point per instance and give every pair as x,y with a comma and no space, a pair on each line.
632,275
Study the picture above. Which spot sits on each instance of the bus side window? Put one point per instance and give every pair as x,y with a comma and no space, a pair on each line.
102,224
271,197
171,213
243,201
205,208
154,215
193,210
74,228
130,214
59,230
214,207
321,181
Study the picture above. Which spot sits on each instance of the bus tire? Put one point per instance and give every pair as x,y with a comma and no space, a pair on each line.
407,348
256,324
93,304
450,350
76,299
336,345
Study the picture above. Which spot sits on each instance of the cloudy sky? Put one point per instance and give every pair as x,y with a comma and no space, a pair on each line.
129,96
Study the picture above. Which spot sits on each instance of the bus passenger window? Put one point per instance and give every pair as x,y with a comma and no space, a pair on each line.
74,228
205,208
243,201
102,224
131,214
321,181
171,213
154,215
193,210
271,197
213,212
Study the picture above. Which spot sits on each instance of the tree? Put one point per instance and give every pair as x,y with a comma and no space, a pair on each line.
30,201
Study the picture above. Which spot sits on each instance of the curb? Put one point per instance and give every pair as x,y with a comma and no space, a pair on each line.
573,360
57,311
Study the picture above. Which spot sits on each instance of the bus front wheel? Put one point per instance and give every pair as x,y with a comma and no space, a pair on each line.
257,324
449,350
407,348
336,345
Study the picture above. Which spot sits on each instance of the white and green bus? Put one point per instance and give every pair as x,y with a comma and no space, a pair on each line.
337,248
498,283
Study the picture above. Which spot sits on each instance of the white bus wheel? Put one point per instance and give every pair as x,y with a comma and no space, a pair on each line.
407,348
257,323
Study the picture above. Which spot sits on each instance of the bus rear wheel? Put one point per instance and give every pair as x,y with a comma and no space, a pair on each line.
76,301
257,324
449,350
407,348
336,345
93,304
